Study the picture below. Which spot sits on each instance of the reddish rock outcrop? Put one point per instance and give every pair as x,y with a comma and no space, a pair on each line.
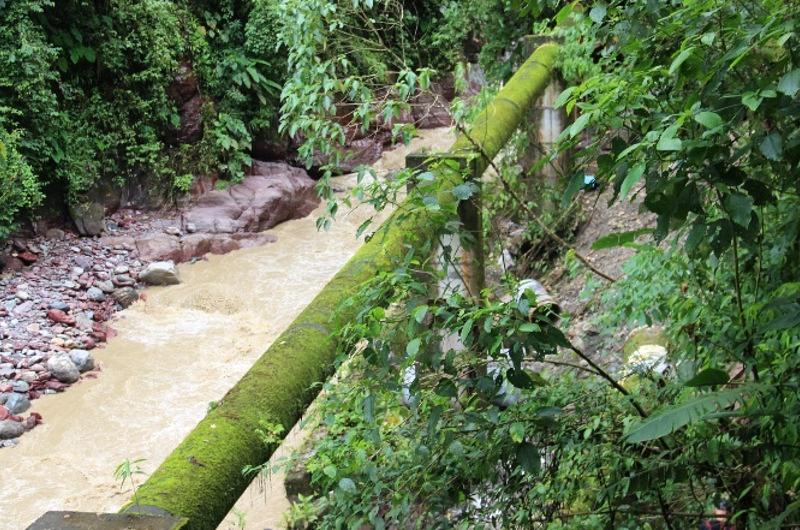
158,247
275,192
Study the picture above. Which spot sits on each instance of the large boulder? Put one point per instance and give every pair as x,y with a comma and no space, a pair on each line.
274,193
62,368
160,273
200,244
125,296
82,359
159,247
88,218
10,429
17,403
361,152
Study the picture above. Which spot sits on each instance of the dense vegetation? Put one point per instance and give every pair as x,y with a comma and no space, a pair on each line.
95,96
85,92
691,106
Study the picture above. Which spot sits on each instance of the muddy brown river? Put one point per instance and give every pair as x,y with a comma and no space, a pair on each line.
182,348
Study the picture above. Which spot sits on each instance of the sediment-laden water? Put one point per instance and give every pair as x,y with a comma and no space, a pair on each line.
181,348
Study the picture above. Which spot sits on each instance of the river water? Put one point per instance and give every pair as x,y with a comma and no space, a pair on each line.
181,348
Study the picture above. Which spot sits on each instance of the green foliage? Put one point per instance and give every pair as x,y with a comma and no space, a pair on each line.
691,106
127,471
19,189
86,88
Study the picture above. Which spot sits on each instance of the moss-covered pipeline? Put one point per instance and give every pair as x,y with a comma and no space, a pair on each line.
202,478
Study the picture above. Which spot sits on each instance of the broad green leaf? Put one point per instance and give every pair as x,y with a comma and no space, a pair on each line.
739,207
751,100
574,186
369,408
528,458
788,318
330,470
708,38
412,348
466,331
464,191
772,147
564,13
619,239
363,226
628,150
579,125
347,485
517,432
562,98
708,377
669,144
680,59
790,83
681,415
695,237
633,176
419,313
667,141
598,13
519,378
709,120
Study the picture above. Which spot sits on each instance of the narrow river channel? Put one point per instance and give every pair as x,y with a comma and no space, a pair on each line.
178,350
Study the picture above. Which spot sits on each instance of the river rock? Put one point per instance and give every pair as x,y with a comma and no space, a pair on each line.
274,193
60,317
83,360
157,247
125,296
10,429
88,218
62,368
95,294
123,280
27,257
160,273
55,233
107,286
360,152
17,403
23,308
58,305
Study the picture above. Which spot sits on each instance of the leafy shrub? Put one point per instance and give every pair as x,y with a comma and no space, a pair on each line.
19,188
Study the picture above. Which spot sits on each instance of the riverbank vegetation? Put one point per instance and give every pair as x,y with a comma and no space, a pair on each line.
97,97
688,108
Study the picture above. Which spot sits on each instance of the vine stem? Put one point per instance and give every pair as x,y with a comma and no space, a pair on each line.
546,229
613,382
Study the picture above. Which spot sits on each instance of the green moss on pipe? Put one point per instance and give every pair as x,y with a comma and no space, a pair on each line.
202,478
493,127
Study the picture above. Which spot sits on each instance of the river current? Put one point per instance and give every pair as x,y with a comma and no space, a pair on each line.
176,351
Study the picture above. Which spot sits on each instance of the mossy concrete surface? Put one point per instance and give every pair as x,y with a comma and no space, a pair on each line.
106,521
202,478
